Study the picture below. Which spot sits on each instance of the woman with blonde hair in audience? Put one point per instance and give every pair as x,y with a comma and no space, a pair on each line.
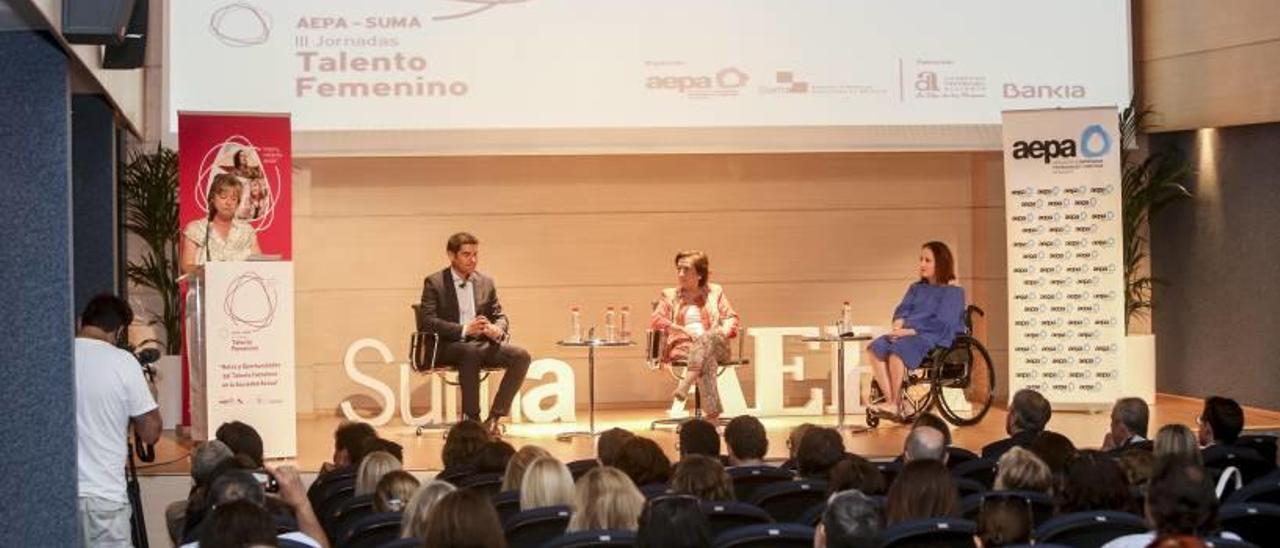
372,468
702,477
547,482
413,523
393,491
1176,440
1021,470
605,498
519,463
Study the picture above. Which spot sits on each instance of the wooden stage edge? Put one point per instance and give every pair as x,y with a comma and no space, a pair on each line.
422,453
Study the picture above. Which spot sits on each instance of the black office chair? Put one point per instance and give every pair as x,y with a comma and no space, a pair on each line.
507,503
1255,522
747,479
423,358
787,502
536,527
1264,489
344,513
766,535
1090,528
726,514
931,532
372,531
655,341
488,484
608,538
982,471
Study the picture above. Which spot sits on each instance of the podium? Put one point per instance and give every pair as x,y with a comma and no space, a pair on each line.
240,351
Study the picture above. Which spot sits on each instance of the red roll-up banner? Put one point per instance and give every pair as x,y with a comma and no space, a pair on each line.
256,150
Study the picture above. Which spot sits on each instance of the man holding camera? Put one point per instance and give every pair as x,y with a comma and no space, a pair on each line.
111,394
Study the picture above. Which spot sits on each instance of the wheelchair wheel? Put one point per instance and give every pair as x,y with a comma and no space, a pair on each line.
966,367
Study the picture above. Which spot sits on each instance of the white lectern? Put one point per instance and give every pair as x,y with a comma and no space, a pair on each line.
240,349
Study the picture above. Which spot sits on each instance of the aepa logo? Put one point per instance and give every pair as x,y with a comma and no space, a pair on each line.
726,78
1093,142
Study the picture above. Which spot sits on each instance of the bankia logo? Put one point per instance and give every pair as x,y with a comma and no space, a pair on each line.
1093,142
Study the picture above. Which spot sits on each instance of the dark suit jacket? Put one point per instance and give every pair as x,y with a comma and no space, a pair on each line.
440,304
996,449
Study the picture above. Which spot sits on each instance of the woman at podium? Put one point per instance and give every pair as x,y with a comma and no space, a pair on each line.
698,321
930,315
219,236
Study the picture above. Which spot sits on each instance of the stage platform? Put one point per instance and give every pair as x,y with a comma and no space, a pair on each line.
422,453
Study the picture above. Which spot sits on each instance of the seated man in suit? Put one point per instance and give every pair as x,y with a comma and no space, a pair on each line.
1129,418
1220,424
461,305
1029,412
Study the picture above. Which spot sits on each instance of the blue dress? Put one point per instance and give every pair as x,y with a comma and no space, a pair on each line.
936,312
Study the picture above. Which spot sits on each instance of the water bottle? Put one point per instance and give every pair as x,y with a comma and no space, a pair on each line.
575,324
610,329
624,324
846,318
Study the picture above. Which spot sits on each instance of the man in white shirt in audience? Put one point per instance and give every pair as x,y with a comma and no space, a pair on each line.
111,395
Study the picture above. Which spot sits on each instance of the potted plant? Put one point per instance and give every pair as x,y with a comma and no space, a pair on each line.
150,188
1149,183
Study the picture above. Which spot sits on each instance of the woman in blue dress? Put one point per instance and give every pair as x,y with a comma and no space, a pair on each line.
931,314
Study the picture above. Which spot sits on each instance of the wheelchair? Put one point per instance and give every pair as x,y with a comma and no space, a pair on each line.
965,365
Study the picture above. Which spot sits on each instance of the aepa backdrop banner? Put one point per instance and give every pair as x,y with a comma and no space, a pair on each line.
1064,238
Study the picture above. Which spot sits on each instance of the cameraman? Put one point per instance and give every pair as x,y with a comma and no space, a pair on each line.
111,394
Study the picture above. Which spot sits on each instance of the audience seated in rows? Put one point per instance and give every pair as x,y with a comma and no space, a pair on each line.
610,443
855,472
204,458
1004,522
493,456
239,485
464,518
923,489
1029,413
1176,441
461,445
547,482
643,461
698,437
1129,417
1137,464
394,491
519,463
1021,470
850,520
372,468
747,442
605,498
703,477
1221,422
793,444
1055,450
242,439
1093,481
673,521
1180,502
820,450
925,443
413,522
